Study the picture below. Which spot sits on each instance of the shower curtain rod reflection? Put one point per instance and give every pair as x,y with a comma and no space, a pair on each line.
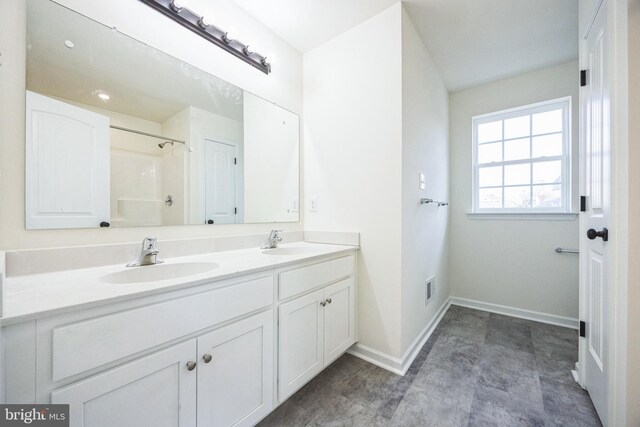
148,134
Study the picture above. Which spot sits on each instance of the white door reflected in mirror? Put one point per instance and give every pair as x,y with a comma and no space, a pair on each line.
67,165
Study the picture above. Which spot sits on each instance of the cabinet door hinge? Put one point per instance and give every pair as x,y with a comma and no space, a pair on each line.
583,329
235,211
235,160
583,203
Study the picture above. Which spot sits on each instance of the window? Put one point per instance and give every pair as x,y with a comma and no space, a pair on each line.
521,159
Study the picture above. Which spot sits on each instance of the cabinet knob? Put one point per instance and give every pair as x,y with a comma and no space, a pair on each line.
328,300
323,303
207,358
191,366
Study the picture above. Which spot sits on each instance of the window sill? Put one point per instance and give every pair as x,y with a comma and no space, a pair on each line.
525,216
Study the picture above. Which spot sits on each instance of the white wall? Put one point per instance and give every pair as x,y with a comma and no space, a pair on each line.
425,149
283,86
633,339
174,167
511,262
372,122
136,189
353,161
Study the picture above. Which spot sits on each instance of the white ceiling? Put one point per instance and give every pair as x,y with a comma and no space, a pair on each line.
306,24
471,41
474,42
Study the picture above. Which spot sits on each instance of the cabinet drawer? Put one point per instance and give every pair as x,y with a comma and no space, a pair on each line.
88,344
294,282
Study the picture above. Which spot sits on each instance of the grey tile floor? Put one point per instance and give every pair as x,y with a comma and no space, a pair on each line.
476,369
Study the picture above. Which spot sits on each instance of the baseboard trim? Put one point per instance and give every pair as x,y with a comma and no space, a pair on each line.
401,365
576,373
394,364
537,316
378,358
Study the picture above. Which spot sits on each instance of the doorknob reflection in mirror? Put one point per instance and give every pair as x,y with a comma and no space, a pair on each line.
592,234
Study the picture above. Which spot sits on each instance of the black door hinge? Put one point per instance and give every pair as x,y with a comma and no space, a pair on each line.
583,78
235,160
583,203
583,329
235,211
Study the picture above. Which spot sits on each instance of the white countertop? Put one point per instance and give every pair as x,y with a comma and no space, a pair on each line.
38,295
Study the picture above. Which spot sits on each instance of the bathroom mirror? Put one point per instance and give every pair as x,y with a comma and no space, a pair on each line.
121,134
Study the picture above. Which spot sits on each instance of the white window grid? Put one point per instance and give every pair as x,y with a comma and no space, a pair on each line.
563,104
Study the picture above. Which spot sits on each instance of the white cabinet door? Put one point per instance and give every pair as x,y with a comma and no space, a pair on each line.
157,390
235,373
67,165
300,345
339,319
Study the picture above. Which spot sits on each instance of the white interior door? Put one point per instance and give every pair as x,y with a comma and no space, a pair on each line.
67,165
220,182
594,221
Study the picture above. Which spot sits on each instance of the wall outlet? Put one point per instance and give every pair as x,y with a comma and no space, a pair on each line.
421,181
313,205
429,289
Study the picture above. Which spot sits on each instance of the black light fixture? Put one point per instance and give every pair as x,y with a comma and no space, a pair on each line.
215,35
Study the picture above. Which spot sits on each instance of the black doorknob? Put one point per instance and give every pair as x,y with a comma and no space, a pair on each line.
210,221
592,234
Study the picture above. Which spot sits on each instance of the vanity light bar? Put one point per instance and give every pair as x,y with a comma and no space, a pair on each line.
215,35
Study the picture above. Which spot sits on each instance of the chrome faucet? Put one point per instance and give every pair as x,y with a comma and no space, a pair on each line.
148,254
273,240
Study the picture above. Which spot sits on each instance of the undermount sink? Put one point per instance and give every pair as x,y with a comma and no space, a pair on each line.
158,272
290,251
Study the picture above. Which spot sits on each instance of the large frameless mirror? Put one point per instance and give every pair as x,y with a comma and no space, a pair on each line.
121,134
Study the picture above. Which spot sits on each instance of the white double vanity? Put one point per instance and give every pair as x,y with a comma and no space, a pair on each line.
120,133
211,339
